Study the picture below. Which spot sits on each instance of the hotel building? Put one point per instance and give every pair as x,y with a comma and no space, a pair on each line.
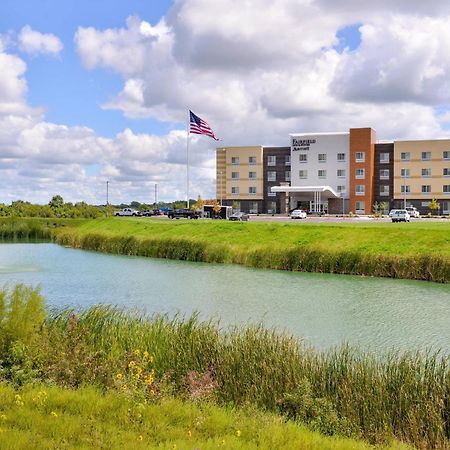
335,173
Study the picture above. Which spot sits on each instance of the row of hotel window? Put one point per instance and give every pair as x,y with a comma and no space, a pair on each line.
271,176
271,160
425,156
426,173
359,190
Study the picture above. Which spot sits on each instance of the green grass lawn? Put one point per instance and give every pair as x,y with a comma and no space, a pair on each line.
387,238
54,418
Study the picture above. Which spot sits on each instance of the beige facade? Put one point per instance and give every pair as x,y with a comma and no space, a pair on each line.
426,169
239,173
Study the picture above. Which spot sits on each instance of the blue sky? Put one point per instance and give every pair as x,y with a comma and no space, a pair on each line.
96,90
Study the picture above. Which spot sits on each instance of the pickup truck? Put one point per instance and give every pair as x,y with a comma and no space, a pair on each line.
186,213
126,212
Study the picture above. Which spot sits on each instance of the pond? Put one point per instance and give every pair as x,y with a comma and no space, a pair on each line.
374,313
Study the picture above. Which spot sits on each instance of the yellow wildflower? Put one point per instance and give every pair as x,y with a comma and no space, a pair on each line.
174,446
189,433
137,352
139,370
138,375
124,387
149,380
140,437
223,441
119,376
151,359
54,414
132,364
2,417
146,354
238,433
152,392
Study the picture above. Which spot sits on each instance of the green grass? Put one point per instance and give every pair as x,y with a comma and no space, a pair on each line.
415,251
50,417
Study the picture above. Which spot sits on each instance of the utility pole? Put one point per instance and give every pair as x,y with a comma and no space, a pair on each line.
156,194
107,193
404,188
221,187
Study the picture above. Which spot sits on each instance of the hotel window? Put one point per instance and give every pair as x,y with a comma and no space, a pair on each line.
426,173
271,207
341,157
322,173
303,174
288,160
252,190
287,175
341,189
270,193
446,155
446,172
253,208
384,191
426,156
235,190
360,207
404,188
425,204
322,157
360,156
252,160
426,189
271,176
384,158
235,160
384,174
341,173
360,189
359,174
252,175
271,160
446,189
404,173
235,175
303,157
405,156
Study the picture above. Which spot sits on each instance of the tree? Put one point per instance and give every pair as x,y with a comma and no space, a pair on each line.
217,208
198,204
384,207
434,206
56,202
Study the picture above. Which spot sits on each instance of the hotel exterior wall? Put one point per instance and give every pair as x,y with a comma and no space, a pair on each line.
416,180
282,165
380,182
225,168
325,143
362,140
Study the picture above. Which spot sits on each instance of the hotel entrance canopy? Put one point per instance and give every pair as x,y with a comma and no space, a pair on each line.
326,191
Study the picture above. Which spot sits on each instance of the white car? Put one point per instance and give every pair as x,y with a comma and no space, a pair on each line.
413,212
298,214
127,212
399,215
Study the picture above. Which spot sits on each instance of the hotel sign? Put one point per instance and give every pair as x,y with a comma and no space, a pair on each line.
302,144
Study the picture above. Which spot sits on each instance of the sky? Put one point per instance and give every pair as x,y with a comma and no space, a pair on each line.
94,90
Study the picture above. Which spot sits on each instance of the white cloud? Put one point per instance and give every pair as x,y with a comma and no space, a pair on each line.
35,43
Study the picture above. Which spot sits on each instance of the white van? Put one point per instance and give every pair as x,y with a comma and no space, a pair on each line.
413,211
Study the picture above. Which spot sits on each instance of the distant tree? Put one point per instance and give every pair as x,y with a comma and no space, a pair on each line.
434,206
217,208
56,202
384,207
198,205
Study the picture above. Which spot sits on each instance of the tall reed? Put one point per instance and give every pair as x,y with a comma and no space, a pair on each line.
406,396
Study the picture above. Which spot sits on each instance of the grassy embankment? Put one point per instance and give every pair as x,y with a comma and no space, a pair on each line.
151,360
419,250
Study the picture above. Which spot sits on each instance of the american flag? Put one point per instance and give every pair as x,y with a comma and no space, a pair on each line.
199,126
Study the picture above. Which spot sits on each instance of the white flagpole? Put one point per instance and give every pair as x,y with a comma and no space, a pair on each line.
187,162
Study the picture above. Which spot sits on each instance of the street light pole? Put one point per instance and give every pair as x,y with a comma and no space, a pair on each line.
156,194
107,193
404,188
221,187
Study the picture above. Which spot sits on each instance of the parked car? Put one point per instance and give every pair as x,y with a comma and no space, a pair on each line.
126,212
399,215
185,213
157,212
413,212
147,213
239,216
298,214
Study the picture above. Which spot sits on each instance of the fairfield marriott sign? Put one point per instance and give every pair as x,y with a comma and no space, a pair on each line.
301,144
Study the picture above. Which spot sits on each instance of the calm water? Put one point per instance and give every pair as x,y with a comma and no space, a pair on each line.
325,309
